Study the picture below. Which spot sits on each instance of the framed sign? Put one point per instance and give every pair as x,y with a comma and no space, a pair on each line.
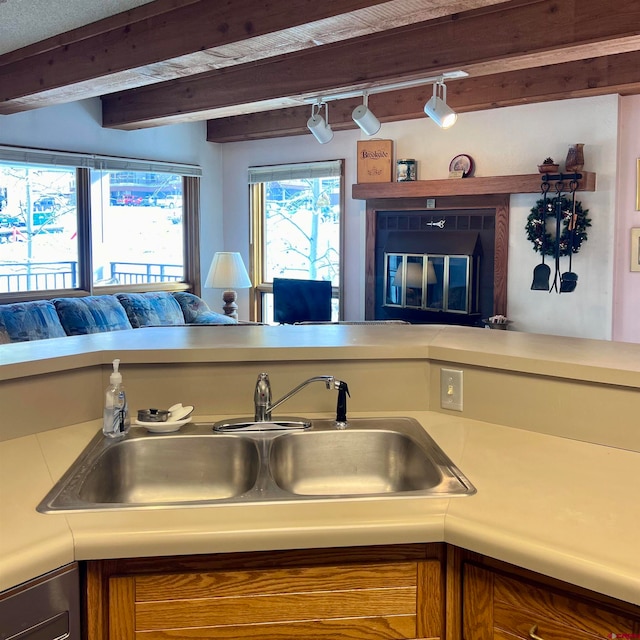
375,158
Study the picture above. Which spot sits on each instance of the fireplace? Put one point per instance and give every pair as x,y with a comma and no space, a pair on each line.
445,264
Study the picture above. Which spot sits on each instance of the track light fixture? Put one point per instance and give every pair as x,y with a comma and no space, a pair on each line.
364,118
320,128
438,109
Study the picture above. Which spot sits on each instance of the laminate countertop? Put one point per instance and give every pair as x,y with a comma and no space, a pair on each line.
564,508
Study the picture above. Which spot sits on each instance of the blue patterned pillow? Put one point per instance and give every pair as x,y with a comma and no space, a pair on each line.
36,320
151,309
197,311
211,317
91,314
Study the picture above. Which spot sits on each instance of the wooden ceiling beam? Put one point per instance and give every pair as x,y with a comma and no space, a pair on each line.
511,37
163,40
168,39
597,76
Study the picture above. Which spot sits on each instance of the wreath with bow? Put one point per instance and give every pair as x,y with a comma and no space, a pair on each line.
543,241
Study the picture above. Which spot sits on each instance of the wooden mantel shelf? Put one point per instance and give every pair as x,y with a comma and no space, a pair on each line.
529,183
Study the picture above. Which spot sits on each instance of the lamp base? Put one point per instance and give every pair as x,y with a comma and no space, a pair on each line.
230,307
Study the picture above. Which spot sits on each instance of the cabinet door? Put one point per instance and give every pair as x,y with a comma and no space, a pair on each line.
378,600
503,607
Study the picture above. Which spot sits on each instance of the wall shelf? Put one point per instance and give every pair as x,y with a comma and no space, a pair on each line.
528,183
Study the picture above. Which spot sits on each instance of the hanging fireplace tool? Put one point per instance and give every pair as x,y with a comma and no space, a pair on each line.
569,279
542,271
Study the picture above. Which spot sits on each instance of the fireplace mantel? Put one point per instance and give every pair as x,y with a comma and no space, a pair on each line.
491,185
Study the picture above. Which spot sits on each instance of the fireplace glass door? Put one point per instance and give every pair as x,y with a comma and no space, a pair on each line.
429,282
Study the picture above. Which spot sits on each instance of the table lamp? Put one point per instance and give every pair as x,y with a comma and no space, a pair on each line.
227,271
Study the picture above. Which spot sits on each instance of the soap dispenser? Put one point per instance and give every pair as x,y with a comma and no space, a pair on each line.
116,421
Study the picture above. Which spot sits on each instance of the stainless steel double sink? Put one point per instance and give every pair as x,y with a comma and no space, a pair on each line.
372,457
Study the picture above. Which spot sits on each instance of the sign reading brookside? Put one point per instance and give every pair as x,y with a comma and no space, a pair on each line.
375,160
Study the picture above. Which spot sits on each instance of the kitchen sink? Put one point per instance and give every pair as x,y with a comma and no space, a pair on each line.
372,457
361,462
174,469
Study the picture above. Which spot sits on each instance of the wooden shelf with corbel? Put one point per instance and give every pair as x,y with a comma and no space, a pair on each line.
490,185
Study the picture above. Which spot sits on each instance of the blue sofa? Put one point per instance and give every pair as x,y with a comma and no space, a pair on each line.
40,319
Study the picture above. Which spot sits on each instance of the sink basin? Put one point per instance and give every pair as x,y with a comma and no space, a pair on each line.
358,462
175,469
387,458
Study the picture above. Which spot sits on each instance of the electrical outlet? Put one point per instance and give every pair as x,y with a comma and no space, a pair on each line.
451,389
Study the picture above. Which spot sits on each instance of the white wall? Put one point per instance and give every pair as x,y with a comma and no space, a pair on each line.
503,141
77,127
626,296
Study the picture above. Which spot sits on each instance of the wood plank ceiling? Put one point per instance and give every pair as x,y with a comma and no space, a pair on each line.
249,67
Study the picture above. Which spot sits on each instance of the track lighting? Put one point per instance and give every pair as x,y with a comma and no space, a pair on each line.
320,128
438,109
364,118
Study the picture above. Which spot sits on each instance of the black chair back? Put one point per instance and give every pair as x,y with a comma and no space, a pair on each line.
301,300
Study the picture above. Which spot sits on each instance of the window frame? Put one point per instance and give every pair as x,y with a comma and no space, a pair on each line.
83,165
257,247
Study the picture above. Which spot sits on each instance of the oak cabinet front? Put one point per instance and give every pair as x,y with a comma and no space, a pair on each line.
370,593
503,606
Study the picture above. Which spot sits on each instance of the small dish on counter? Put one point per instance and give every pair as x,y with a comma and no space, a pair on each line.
163,427
177,415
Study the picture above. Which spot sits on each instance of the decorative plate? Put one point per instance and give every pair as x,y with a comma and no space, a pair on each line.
462,163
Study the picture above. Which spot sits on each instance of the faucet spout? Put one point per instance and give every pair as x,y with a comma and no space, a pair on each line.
262,394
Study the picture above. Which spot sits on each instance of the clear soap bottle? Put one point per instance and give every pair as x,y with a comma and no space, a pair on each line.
116,421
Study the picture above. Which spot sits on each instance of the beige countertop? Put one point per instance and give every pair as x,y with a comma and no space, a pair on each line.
565,508
572,358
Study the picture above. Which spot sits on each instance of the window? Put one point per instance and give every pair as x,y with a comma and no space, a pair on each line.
296,228
136,227
38,228
75,222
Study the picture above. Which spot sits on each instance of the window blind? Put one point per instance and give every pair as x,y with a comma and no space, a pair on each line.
301,170
20,155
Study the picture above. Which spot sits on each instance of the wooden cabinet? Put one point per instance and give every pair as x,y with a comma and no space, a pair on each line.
380,593
498,603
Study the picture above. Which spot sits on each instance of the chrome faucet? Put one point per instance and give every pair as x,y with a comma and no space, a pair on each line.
262,394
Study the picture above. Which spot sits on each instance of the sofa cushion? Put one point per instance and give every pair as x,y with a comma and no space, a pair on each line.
36,320
197,311
91,314
211,317
155,308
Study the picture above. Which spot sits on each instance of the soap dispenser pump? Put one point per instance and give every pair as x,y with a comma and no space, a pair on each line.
116,421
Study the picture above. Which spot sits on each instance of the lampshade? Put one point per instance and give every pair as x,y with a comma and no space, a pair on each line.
413,276
431,273
227,271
